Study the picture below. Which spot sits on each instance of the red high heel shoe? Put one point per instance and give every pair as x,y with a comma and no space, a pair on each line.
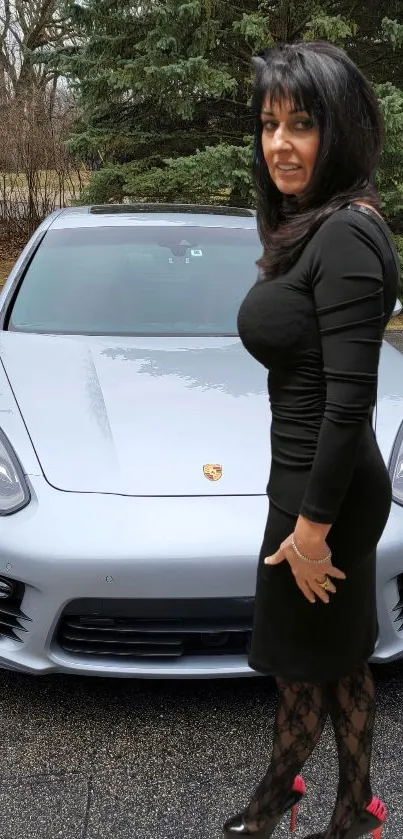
237,826
371,820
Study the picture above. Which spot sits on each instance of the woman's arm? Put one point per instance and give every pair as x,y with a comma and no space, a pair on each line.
347,285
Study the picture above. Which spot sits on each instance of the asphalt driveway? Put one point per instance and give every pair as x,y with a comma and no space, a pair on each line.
111,759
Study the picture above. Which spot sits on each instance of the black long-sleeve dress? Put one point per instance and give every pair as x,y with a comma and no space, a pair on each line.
318,329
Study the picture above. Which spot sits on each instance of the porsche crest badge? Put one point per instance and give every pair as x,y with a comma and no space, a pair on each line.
212,471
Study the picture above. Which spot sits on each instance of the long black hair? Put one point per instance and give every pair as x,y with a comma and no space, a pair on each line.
321,79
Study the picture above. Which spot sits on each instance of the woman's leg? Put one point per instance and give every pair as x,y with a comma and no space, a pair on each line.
352,710
300,719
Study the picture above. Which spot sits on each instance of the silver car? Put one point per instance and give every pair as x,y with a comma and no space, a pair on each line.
134,448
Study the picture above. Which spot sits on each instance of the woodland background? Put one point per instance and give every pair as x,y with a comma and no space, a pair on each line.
111,100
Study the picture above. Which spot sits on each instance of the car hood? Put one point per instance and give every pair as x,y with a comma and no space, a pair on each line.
137,416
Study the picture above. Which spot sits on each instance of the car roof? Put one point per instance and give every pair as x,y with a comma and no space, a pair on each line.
120,215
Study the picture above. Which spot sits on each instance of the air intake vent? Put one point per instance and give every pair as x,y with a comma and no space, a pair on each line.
399,606
11,616
156,629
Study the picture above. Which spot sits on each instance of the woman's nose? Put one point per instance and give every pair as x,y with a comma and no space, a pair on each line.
281,138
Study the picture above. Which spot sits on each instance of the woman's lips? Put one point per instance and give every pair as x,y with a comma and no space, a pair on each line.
288,170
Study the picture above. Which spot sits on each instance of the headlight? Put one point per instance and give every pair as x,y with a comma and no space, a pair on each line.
14,492
396,468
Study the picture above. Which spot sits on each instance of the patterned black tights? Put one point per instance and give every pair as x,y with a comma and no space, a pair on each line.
301,715
352,710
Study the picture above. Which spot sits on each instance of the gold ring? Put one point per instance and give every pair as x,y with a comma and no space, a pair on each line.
327,585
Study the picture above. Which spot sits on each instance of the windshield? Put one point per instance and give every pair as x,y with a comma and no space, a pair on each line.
137,280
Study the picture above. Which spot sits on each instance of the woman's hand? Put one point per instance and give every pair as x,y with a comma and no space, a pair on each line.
308,575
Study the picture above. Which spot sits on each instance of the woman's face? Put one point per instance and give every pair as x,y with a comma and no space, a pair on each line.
290,146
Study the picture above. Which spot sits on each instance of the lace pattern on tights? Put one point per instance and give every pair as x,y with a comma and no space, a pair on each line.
301,716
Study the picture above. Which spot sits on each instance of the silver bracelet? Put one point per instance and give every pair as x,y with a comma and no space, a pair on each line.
306,558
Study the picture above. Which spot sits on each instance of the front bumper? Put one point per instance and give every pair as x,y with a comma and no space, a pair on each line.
116,548
166,550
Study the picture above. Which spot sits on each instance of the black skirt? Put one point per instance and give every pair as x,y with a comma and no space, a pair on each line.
295,639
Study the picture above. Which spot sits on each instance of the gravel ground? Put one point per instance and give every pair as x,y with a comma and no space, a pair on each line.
115,759
395,338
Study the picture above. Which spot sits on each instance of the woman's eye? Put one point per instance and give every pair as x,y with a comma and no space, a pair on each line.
301,124
305,124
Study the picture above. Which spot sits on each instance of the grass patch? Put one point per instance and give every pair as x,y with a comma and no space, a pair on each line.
45,179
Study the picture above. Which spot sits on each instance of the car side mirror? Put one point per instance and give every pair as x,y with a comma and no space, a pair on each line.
398,309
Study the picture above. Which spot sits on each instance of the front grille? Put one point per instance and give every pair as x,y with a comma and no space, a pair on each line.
399,606
156,629
11,615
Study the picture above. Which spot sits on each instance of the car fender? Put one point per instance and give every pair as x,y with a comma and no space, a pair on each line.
13,426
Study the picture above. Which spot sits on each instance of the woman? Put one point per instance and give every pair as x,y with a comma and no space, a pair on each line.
316,318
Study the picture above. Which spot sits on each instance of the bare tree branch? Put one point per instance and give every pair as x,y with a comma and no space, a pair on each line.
26,28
